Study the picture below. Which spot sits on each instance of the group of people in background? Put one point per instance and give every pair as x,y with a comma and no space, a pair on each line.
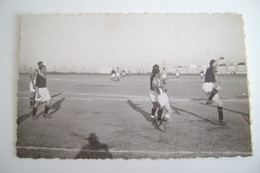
115,74
160,99
38,91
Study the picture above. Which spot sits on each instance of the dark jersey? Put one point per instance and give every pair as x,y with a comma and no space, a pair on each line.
40,82
113,71
151,82
210,76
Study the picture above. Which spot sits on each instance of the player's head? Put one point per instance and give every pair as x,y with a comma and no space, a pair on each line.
40,64
43,69
156,66
212,63
156,71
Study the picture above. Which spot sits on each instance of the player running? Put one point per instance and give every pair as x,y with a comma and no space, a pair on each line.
163,100
113,73
211,89
42,94
164,74
201,74
32,83
177,74
117,74
123,73
154,95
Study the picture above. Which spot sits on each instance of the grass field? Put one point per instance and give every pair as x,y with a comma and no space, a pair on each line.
95,117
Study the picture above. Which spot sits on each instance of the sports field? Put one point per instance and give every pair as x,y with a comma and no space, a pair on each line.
95,117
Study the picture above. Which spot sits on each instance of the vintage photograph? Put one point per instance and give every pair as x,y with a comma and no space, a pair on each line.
133,86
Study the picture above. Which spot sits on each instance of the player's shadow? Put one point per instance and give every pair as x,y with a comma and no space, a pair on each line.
178,110
94,149
56,106
145,114
24,117
230,110
139,109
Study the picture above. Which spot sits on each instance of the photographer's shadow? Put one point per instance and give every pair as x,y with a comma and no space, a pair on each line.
94,150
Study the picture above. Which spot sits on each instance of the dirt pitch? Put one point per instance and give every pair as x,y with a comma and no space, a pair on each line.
97,118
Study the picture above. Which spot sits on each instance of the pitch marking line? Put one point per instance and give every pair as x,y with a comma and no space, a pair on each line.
131,151
133,98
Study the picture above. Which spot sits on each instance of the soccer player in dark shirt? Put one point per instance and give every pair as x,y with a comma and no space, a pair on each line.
42,94
32,83
211,89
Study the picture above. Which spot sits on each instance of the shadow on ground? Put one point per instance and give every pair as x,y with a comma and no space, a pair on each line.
139,109
234,111
145,114
56,106
94,149
24,117
178,110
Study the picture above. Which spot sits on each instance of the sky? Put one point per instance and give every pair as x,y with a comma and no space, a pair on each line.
131,39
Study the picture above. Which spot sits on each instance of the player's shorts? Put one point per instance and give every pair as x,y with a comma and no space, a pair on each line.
113,75
207,87
163,99
31,86
164,76
117,74
44,93
153,95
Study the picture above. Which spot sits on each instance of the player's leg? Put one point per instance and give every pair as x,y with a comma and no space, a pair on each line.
46,109
32,95
118,76
32,99
165,119
154,98
217,100
35,106
212,94
46,98
153,110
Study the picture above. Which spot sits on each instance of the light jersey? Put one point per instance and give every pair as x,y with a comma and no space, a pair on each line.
164,73
157,84
36,73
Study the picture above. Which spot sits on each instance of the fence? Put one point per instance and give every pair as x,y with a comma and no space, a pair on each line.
238,69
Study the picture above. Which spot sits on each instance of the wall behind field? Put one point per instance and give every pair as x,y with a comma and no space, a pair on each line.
239,69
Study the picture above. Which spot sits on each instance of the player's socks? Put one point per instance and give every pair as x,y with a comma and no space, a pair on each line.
46,110
213,93
220,114
34,113
31,102
153,112
159,114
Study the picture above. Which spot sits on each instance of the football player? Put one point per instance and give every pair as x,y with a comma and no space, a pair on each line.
211,89
42,94
32,83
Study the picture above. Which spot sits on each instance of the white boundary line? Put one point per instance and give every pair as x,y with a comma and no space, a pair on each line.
134,151
96,97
